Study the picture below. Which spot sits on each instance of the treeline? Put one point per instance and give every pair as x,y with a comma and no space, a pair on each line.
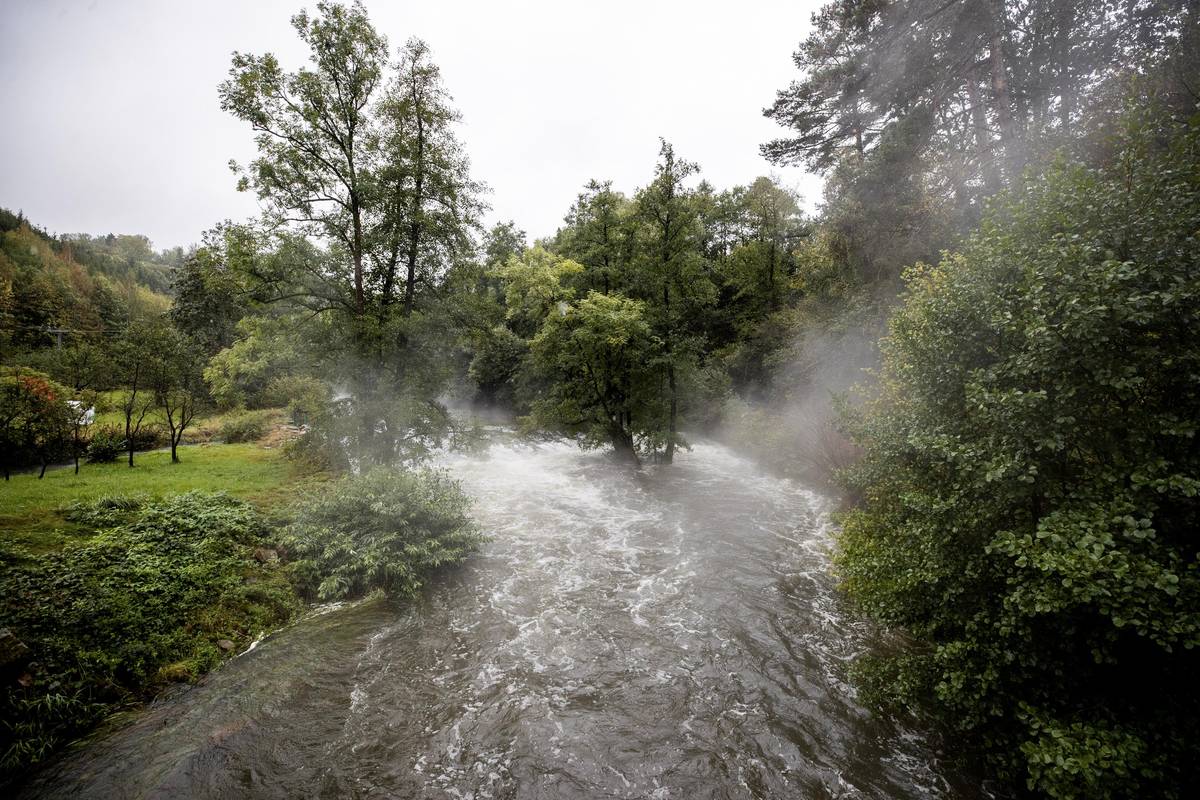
640,318
1024,497
78,288
1022,473
370,278
75,316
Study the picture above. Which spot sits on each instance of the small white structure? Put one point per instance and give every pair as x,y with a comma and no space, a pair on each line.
82,416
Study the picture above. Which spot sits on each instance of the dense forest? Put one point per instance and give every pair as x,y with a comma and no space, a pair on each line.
983,341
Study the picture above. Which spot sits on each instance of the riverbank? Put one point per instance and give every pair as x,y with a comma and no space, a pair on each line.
32,510
119,581
665,632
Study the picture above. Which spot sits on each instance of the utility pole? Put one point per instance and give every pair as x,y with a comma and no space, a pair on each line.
58,334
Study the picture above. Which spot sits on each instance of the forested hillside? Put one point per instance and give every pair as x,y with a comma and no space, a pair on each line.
72,289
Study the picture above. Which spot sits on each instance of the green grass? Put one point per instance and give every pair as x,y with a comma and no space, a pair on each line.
29,514
204,428
146,599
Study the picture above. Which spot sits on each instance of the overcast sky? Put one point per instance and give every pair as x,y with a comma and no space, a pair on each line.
112,123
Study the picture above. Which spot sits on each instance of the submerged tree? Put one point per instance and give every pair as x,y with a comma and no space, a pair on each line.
669,275
601,363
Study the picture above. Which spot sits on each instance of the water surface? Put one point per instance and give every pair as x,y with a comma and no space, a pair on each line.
665,633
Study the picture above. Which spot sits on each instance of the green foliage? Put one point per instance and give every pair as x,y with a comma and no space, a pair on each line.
534,284
105,511
382,530
497,364
601,362
267,348
249,426
305,398
208,300
35,419
144,599
106,445
79,364
1030,476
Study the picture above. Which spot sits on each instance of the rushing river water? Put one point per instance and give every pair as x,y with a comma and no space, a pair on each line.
663,633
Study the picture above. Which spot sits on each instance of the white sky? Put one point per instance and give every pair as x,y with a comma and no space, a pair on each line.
112,123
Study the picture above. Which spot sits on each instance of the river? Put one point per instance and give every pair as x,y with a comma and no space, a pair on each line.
670,632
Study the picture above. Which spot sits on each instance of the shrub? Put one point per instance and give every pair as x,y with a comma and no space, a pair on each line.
150,437
105,511
305,398
35,419
317,449
109,617
1030,478
106,445
385,529
249,426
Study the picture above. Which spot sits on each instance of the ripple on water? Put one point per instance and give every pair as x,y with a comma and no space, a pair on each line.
671,632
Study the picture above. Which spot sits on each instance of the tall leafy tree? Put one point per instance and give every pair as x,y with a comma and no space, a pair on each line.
596,234
370,207
429,203
671,276
314,131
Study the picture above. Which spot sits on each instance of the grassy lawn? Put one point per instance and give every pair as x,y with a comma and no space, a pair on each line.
204,428
29,507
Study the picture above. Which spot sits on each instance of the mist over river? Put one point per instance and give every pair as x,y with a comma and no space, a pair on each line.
671,632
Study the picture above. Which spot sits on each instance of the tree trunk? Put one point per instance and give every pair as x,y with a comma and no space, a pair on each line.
1000,89
414,233
670,453
622,441
174,447
410,280
359,300
670,456
42,474
771,293
983,139
858,132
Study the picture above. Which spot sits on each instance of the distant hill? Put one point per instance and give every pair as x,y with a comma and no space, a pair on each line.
87,287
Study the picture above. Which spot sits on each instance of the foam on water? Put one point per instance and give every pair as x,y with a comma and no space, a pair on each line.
670,632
